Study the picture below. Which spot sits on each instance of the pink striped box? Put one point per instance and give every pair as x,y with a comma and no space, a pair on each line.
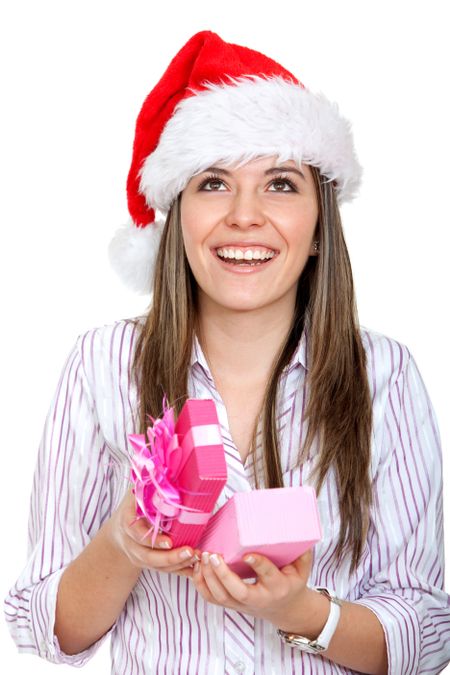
281,523
203,473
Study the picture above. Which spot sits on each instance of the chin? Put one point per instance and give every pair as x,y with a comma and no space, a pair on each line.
234,304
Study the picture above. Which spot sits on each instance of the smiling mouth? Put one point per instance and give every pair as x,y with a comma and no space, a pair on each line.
242,260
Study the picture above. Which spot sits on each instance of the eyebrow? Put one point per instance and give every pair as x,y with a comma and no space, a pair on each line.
274,169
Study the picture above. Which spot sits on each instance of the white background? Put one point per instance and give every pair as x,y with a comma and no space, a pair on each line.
74,75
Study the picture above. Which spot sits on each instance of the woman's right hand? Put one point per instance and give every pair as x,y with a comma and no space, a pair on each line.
133,540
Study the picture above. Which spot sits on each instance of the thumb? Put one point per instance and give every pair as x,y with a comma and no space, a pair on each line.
302,565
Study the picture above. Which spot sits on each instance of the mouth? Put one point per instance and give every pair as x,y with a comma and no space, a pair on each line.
251,256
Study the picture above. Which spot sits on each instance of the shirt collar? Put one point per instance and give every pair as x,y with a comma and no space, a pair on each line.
299,357
197,355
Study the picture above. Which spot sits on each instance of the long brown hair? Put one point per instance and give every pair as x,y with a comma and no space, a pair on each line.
339,407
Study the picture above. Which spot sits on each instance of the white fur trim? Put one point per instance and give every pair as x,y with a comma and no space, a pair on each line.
132,254
248,118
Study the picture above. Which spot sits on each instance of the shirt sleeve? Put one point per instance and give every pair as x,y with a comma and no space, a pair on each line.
70,499
404,583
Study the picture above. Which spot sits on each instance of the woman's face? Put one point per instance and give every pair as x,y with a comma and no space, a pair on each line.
248,231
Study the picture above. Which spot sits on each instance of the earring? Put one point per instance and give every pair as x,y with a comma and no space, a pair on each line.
316,247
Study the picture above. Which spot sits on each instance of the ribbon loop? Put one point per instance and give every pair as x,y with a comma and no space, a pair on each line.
154,473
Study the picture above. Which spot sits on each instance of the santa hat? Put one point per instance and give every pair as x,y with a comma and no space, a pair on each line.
220,102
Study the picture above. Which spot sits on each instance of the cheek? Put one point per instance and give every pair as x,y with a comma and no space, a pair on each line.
189,228
299,237
194,233
297,223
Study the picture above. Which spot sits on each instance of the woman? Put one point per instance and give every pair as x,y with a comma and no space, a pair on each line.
253,305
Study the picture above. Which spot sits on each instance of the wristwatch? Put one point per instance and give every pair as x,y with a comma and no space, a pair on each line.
320,644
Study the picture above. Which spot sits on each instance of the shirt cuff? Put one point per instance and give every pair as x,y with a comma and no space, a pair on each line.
42,619
401,628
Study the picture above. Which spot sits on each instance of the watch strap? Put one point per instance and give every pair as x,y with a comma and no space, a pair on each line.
321,643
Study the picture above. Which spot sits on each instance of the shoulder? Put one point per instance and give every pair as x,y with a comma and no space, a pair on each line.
105,355
397,389
405,426
388,361
109,347
386,358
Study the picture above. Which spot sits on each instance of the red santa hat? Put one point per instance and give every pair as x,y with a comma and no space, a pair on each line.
220,102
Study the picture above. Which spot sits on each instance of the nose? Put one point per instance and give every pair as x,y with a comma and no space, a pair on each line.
245,210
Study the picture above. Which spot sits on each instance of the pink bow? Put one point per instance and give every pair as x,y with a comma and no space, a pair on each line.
154,473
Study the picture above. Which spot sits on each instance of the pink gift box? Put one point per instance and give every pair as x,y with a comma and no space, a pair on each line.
203,471
280,523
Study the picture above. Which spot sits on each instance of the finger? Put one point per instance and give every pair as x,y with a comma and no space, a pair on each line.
224,585
175,559
301,566
185,565
267,572
160,558
178,569
200,583
161,541
181,565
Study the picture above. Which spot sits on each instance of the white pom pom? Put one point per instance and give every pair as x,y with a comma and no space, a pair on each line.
132,253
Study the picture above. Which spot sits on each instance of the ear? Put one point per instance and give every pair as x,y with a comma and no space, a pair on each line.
315,247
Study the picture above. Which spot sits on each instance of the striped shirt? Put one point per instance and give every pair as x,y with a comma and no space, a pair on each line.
166,627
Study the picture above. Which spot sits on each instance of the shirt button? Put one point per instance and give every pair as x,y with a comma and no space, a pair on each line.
239,666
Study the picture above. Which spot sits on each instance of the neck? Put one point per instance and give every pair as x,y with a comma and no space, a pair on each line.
243,344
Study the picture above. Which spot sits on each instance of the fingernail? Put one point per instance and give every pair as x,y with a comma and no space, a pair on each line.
196,558
164,544
205,558
215,559
184,555
249,559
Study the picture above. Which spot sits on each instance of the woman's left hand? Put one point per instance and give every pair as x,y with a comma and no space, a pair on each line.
280,596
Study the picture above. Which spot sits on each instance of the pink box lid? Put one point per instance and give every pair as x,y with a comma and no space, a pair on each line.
194,413
280,523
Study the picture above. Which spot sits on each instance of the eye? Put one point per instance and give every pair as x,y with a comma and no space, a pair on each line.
214,183
211,184
282,184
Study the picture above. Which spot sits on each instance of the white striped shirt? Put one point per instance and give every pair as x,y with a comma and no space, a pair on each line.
166,627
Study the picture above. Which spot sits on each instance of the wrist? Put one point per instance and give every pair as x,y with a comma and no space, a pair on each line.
308,617
112,542
318,643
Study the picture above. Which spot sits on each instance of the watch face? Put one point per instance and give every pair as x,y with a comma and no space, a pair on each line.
319,644
310,648
302,643
315,648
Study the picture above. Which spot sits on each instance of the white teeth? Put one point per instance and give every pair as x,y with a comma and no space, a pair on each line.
238,254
